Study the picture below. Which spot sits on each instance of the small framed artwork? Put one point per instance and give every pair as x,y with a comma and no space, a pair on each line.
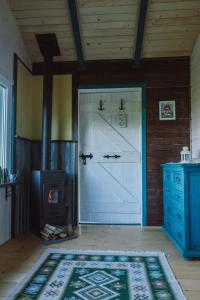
167,110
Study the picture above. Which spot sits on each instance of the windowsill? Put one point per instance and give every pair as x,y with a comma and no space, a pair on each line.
7,184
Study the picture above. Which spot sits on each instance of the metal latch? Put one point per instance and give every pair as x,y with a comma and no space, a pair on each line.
84,157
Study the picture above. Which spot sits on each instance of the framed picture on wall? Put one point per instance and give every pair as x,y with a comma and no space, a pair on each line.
167,110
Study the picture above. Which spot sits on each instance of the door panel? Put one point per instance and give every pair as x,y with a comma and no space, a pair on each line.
110,187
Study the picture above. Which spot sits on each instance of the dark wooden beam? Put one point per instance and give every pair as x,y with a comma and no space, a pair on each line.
103,66
140,31
14,115
76,30
48,45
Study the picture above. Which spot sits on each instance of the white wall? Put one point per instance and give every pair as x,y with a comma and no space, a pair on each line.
195,100
10,42
5,216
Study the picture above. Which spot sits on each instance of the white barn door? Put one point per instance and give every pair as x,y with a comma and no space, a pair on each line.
110,181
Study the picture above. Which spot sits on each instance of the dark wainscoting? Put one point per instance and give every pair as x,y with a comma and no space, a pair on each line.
28,158
22,191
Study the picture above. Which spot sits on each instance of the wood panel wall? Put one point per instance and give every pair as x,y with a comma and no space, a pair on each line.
164,79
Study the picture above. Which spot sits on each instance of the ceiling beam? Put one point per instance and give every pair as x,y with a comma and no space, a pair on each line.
76,30
140,31
106,66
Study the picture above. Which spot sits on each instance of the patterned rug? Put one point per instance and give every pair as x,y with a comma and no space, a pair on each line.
99,275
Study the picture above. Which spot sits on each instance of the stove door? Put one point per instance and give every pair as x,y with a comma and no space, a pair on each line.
54,204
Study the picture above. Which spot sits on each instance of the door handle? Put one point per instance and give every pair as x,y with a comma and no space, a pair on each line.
85,156
110,156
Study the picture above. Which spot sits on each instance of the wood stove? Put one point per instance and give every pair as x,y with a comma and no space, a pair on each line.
48,204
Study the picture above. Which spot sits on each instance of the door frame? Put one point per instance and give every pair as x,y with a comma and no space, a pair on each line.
7,201
98,87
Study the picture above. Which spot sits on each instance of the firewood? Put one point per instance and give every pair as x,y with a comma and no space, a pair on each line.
62,235
70,230
50,227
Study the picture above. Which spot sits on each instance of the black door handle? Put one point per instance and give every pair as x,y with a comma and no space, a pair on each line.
84,157
110,156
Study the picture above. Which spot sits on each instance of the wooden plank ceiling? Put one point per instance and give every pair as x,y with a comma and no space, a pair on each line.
108,28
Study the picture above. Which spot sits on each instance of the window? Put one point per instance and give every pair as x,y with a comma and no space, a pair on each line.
5,123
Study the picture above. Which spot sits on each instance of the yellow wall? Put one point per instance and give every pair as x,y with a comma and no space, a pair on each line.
24,105
29,105
37,99
62,107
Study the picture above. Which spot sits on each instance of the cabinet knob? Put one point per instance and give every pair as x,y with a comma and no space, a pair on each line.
178,179
179,235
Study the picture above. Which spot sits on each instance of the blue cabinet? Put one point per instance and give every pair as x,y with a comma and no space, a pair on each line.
181,194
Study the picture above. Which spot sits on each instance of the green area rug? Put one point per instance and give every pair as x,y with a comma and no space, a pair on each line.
99,275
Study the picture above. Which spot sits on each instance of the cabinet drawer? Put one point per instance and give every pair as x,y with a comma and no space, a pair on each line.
168,176
178,199
167,193
174,197
175,214
178,180
176,231
179,235
178,177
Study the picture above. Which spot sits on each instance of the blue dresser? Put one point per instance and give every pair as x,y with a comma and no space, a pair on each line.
181,194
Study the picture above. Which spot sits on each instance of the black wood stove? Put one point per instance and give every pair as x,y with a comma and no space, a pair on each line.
48,200
48,205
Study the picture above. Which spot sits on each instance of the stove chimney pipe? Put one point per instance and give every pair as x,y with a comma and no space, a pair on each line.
47,115
49,48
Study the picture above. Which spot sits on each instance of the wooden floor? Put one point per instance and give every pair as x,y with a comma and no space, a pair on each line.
18,256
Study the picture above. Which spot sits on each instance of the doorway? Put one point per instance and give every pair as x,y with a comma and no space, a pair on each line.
111,164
